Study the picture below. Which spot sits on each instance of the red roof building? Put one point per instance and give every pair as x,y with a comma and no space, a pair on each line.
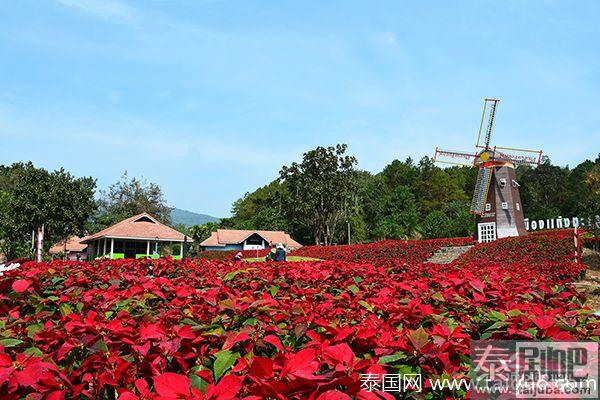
235,239
73,249
135,237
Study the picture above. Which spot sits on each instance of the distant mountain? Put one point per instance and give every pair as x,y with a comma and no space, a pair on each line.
189,218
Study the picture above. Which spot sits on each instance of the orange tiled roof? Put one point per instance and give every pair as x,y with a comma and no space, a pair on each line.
223,237
73,244
141,226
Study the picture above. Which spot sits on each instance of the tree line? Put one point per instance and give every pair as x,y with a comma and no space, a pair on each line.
66,206
315,200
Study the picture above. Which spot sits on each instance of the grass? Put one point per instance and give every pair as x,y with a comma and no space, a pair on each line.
289,258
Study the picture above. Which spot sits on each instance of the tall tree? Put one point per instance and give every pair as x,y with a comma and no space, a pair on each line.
437,187
319,190
32,197
261,209
399,217
543,189
128,197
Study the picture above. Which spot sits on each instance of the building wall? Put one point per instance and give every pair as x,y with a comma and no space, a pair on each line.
228,247
510,221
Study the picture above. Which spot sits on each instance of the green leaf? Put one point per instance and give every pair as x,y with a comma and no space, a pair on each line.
231,275
513,313
273,290
419,338
496,316
34,328
391,358
57,280
223,361
65,309
354,289
33,351
100,346
10,342
486,335
365,305
357,279
497,325
437,296
198,383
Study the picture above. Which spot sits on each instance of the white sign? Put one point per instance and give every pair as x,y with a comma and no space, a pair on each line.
562,223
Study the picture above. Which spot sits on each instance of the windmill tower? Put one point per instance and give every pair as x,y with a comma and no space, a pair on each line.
496,200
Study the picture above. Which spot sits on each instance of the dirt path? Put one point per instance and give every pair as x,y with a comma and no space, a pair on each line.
591,283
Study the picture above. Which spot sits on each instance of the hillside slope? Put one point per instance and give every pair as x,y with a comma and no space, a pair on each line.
189,218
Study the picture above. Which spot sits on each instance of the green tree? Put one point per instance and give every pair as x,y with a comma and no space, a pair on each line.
399,217
128,197
261,209
319,190
200,233
437,187
462,223
32,197
544,190
436,225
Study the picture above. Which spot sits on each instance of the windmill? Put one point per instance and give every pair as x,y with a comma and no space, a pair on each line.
496,200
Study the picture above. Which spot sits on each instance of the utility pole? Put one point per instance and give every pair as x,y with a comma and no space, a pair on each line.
184,248
40,241
348,222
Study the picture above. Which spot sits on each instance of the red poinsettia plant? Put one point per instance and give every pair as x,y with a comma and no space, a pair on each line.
213,329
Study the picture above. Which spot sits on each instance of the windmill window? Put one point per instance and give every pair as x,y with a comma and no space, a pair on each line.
488,207
502,182
518,206
504,205
515,183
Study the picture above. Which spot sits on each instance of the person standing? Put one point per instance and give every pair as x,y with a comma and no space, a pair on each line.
280,253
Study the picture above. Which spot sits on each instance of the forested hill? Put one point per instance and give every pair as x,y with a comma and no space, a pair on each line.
418,199
189,218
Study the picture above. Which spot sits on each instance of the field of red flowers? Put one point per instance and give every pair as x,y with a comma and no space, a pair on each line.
384,252
209,329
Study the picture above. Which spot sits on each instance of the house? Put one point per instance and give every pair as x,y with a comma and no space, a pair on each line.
73,249
139,236
230,239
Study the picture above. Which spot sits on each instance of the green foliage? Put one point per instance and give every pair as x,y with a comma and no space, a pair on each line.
261,209
200,233
318,192
399,216
311,200
436,225
31,197
408,200
128,197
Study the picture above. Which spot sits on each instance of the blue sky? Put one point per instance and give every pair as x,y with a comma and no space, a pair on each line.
210,98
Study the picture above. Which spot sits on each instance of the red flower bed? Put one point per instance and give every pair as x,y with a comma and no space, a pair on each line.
163,329
384,252
542,247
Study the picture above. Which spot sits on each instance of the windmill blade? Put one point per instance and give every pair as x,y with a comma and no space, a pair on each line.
527,157
482,186
487,122
449,157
